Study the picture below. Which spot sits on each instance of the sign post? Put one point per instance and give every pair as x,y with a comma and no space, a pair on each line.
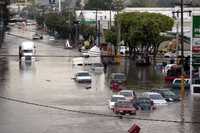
195,56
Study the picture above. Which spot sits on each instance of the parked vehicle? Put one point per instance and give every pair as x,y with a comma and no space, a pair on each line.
51,38
128,94
124,107
172,73
168,67
37,36
123,50
119,78
155,97
168,95
114,99
27,51
83,76
176,84
97,67
144,104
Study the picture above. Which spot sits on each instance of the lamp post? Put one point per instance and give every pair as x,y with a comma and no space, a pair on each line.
181,11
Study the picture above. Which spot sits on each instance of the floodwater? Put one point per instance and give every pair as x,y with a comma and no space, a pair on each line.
28,93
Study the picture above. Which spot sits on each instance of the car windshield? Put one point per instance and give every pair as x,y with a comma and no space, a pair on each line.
119,76
155,96
126,94
28,51
115,99
83,74
168,93
177,81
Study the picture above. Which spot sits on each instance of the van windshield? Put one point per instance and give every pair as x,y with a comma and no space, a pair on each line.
28,51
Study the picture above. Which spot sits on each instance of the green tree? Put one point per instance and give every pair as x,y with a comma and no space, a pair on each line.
142,30
62,24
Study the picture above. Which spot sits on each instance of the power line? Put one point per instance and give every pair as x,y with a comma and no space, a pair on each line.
95,114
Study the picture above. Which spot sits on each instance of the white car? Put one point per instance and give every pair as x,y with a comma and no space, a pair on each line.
51,38
170,55
83,76
128,94
97,67
168,67
114,99
124,50
155,97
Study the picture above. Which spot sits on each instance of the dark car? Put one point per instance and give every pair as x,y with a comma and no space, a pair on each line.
144,103
119,78
169,96
124,107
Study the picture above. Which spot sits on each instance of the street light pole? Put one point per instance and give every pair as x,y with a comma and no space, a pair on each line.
182,53
59,6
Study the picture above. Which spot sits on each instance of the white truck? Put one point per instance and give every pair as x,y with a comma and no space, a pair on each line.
27,51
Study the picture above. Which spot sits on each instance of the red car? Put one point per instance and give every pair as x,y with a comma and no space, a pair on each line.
124,107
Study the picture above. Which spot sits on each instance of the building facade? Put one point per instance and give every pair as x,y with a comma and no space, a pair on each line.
4,17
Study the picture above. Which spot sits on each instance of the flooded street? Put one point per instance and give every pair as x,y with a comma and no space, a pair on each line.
42,97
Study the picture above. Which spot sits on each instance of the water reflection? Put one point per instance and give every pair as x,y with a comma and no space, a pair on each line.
3,73
195,113
27,69
138,76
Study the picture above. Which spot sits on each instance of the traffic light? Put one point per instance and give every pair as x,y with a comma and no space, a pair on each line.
52,1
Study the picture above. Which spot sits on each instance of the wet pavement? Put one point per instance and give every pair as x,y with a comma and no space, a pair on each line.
36,89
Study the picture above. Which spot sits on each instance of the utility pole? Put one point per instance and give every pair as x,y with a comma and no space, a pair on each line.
59,6
182,11
96,25
99,32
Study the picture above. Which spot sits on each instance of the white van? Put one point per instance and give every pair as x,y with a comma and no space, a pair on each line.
27,51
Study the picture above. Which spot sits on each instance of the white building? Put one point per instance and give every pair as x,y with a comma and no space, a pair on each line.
106,15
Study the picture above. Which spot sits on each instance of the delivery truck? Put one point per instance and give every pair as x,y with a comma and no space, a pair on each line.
27,51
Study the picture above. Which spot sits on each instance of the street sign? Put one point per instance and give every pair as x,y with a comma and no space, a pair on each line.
195,63
196,27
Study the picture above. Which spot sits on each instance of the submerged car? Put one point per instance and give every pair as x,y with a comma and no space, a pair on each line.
144,104
155,97
114,99
119,78
128,94
37,36
176,84
97,67
168,95
124,107
83,76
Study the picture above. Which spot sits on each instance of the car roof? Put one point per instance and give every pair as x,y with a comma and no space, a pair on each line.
151,93
118,74
126,91
82,72
164,89
117,96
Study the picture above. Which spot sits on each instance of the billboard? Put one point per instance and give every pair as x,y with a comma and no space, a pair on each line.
195,48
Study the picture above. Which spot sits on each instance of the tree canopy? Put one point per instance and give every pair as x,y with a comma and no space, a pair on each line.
142,30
